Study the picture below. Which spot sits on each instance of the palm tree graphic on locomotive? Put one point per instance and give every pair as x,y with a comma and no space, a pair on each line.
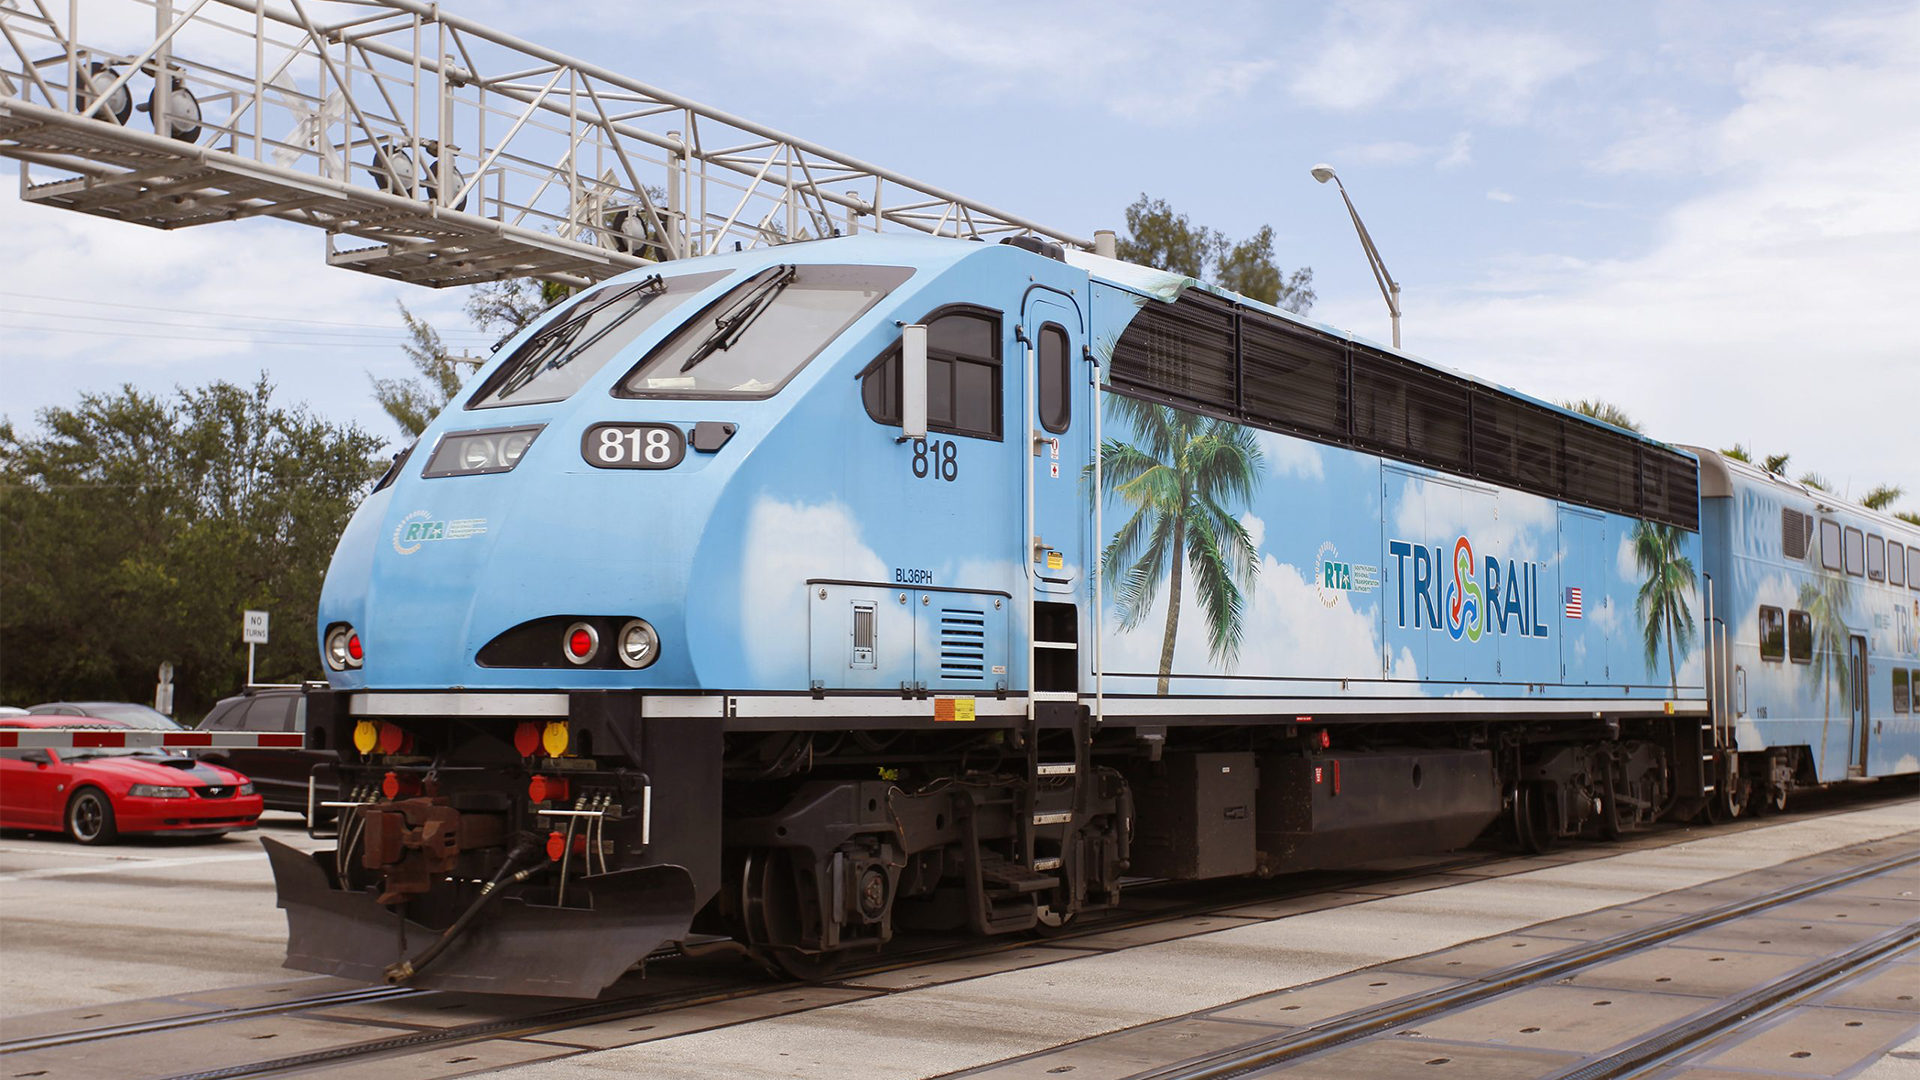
1825,599
1663,596
1180,474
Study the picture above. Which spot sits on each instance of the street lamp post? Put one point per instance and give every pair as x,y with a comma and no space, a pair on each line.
1389,288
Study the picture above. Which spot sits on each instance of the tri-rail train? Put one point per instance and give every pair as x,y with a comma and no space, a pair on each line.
811,596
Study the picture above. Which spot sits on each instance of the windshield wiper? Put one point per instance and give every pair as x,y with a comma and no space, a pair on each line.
733,322
552,348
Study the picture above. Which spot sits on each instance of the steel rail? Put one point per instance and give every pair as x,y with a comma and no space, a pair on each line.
211,1016
1657,1052
1351,1027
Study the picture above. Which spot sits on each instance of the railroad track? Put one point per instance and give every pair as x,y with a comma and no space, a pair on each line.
1635,1060
1220,897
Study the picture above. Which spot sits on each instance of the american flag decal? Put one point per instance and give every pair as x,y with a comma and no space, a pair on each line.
1573,603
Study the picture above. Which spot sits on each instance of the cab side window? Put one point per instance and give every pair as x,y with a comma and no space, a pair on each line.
963,376
1056,374
1773,634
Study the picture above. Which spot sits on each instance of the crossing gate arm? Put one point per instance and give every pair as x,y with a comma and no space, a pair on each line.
86,738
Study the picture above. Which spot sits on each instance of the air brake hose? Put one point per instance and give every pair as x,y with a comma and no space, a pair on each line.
527,850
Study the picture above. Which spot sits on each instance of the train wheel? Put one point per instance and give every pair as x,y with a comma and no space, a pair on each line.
809,967
1533,819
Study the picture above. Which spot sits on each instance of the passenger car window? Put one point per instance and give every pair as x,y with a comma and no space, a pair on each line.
1876,558
1901,678
1896,564
1856,548
756,337
579,340
1913,568
1773,634
963,377
1800,637
1829,544
1055,374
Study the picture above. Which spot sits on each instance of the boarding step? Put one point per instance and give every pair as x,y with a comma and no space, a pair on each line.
1055,695
1056,645
1004,877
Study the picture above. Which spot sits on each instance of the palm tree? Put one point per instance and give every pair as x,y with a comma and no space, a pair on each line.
1882,496
1663,596
1825,600
1181,474
1604,411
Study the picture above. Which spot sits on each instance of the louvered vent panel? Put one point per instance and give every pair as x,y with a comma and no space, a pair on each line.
1793,534
963,643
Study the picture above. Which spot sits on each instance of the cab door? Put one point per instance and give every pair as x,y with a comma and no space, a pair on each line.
1056,392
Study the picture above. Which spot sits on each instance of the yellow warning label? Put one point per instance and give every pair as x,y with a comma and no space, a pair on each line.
952,708
366,735
554,738
1054,561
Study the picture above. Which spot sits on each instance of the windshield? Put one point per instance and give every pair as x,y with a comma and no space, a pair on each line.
748,343
552,364
132,715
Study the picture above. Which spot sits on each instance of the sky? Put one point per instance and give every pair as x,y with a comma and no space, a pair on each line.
1705,213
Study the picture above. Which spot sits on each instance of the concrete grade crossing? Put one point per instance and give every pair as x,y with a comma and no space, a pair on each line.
1129,990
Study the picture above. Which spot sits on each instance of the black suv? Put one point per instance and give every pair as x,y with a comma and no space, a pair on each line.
280,775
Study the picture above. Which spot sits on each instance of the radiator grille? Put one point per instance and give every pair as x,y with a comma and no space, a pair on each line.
963,643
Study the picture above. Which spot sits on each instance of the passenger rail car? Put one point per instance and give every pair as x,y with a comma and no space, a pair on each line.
807,596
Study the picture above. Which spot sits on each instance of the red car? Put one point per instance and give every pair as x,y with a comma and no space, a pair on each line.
96,793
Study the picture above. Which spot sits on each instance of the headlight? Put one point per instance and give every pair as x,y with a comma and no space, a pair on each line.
638,645
475,453
343,650
246,788
156,791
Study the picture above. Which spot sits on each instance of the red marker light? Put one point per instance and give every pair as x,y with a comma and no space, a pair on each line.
353,647
580,643
392,738
556,845
391,785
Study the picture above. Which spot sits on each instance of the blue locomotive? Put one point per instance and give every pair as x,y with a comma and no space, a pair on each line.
806,596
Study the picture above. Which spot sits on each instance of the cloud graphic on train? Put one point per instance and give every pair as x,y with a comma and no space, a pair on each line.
785,545
1290,631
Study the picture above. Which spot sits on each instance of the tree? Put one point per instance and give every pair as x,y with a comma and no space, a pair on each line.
414,402
135,529
1739,453
1159,237
1882,496
507,307
1604,411
1662,603
1776,463
1181,475
1908,516
1815,481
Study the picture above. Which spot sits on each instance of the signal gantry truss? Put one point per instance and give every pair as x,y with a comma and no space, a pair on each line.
456,153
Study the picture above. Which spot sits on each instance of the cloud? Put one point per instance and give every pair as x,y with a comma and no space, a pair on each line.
785,544
1453,154
1132,61
1376,54
1805,217
1291,457
1496,195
